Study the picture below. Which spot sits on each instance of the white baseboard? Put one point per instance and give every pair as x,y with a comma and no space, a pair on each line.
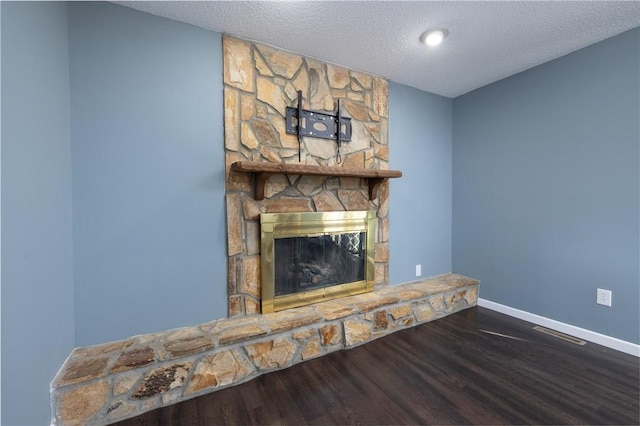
591,336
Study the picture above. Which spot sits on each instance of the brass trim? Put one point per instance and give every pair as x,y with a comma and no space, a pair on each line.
286,225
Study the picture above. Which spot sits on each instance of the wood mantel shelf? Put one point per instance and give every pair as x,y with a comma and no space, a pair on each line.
264,170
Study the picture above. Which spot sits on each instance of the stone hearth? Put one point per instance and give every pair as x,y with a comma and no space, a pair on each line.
114,381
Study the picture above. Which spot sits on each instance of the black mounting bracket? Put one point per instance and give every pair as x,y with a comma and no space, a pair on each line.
304,122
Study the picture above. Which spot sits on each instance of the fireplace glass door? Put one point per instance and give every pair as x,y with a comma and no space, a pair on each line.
311,257
306,263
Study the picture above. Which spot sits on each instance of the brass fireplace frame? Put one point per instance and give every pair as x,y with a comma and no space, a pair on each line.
288,225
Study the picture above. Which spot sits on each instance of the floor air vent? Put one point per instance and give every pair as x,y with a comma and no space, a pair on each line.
559,335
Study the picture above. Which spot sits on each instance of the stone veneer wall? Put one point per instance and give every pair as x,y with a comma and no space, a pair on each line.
106,383
259,83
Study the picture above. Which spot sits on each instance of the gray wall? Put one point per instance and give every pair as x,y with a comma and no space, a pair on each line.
420,145
37,281
546,187
148,173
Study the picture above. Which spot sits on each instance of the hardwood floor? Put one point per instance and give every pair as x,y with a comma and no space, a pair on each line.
450,371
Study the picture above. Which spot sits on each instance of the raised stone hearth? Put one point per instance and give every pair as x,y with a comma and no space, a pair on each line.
114,381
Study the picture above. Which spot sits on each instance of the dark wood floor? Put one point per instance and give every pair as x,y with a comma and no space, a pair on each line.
448,371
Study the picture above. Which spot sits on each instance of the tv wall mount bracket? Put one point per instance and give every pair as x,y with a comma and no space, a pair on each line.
303,122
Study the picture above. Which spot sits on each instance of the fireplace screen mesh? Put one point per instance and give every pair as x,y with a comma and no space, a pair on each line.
306,263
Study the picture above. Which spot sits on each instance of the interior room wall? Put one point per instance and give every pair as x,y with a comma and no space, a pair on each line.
546,188
148,173
420,145
37,255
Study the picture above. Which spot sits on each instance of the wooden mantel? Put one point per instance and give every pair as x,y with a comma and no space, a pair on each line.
264,170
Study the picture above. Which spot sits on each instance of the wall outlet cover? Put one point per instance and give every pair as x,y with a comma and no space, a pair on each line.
603,297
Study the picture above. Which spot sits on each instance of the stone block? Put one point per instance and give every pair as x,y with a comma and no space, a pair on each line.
354,161
455,301
275,185
381,97
133,359
301,82
222,369
321,148
356,332
354,95
285,64
327,202
251,305
288,204
287,141
265,132
355,109
82,370
102,349
311,349
363,79
251,208
251,276
308,185
271,155
247,137
303,334
472,296
405,295
332,310
124,384
236,181
79,405
376,303
240,334
277,353
330,335
238,66
231,119
437,303
120,410
292,318
382,252
261,65
338,76
400,312
235,305
271,94
423,312
319,94
252,229
380,274
380,320
383,230
161,380
234,224
354,200
247,107
189,346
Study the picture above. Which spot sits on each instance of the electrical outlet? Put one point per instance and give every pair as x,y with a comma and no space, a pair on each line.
418,270
603,297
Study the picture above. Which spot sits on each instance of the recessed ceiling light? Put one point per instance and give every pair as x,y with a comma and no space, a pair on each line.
433,37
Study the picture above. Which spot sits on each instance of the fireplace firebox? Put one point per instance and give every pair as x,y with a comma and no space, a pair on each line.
311,257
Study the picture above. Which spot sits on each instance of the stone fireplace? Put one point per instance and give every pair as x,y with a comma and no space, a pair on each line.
113,381
259,83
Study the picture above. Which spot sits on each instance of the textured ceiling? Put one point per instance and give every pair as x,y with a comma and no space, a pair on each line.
487,40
